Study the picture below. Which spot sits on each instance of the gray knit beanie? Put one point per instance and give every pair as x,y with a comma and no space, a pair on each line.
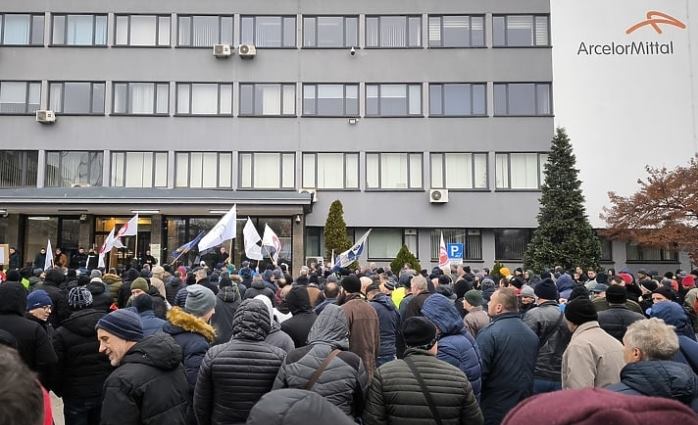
200,300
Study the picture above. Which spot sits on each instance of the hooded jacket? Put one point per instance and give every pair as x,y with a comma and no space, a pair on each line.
241,371
81,369
389,324
227,301
548,323
565,285
674,315
298,326
114,283
659,378
344,381
101,299
296,407
173,285
276,337
151,323
364,331
455,345
149,387
125,288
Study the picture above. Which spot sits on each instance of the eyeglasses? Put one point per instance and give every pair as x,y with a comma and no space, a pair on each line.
47,308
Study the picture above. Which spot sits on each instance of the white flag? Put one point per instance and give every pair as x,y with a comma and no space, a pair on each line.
223,230
106,247
130,228
443,255
272,243
48,264
353,253
251,236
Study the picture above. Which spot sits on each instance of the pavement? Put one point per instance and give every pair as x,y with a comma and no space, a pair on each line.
57,410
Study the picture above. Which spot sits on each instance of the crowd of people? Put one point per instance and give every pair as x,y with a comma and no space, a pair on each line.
215,344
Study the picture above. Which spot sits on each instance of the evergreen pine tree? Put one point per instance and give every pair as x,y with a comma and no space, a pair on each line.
336,231
404,256
564,236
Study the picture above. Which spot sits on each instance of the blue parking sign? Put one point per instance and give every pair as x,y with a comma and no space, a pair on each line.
454,251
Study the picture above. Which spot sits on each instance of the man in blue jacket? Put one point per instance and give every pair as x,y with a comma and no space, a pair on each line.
388,322
509,349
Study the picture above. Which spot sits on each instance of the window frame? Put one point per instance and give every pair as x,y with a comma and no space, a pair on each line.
27,84
380,187
668,256
485,114
254,30
281,99
472,166
506,32
344,172
498,231
218,84
467,258
378,229
189,169
99,177
32,15
92,83
535,99
128,98
65,30
304,114
191,29
252,167
539,174
125,169
407,86
407,31
24,162
470,30
344,31
157,44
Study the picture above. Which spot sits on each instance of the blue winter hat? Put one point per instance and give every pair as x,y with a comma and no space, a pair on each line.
38,298
123,323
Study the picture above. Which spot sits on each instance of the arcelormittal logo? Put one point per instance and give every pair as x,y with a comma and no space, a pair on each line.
654,19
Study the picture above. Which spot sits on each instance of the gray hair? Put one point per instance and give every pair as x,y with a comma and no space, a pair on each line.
420,283
654,338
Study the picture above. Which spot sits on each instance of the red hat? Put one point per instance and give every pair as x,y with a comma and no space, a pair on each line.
592,406
627,278
689,281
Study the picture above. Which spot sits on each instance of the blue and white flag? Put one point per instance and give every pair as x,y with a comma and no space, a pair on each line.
189,245
352,254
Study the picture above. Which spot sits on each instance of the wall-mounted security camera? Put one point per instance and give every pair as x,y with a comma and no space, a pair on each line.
352,51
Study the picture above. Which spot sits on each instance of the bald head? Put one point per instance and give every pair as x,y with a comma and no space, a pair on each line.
418,284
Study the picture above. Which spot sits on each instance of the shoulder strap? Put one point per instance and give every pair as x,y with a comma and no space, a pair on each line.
551,331
320,369
425,390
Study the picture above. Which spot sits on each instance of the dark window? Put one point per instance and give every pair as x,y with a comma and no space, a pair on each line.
18,168
649,254
522,99
457,100
73,169
510,244
77,97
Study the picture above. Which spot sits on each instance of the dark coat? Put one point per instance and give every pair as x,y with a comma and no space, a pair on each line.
414,308
125,288
207,283
395,396
298,326
227,301
235,375
151,324
81,369
173,285
548,323
101,299
344,381
455,346
296,407
257,287
364,331
389,323
149,387
509,350
659,378
616,319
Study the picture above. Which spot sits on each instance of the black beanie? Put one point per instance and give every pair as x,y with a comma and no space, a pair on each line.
546,290
351,284
665,292
581,310
602,278
419,332
616,294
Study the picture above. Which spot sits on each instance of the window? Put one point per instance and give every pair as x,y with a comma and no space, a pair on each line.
73,168
204,169
606,250
261,170
459,170
139,169
268,31
141,98
520,170
457,31
142,30
510,244
520,31
314,244
393,170
204,30
393,31
331,170
21,29
331,100
77,97
267,99
18,168
393,100
330,31
384,244
204,99
522,99
470,238
457,100
650,254
79,30
19,97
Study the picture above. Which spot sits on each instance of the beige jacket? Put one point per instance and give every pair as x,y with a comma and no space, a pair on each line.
475,320
593,358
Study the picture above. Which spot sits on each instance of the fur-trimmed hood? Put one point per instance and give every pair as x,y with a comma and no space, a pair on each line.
180,321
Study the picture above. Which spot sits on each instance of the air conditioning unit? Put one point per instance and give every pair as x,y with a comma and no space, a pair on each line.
247,51
312,192
45,116
438,196
222,50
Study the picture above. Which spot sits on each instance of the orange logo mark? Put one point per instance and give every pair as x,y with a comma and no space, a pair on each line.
655,18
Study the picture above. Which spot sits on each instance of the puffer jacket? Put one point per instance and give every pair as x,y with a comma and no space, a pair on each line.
276,337
298,326
395,396
389,323
674,315
455,345
227,301
173,285
565,285
659,378
344,381
114,283
149,387
241,371
296,407
81,369
615,320
258,288
101,299
151,324
548,323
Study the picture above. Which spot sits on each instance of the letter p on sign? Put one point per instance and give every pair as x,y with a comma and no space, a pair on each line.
455,251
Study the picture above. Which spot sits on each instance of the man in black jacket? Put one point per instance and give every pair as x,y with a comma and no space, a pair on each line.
298,326
618,317
148,386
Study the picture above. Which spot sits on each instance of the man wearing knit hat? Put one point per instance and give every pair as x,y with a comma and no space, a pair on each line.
364,327
618,317
593,358
148,386
477,318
